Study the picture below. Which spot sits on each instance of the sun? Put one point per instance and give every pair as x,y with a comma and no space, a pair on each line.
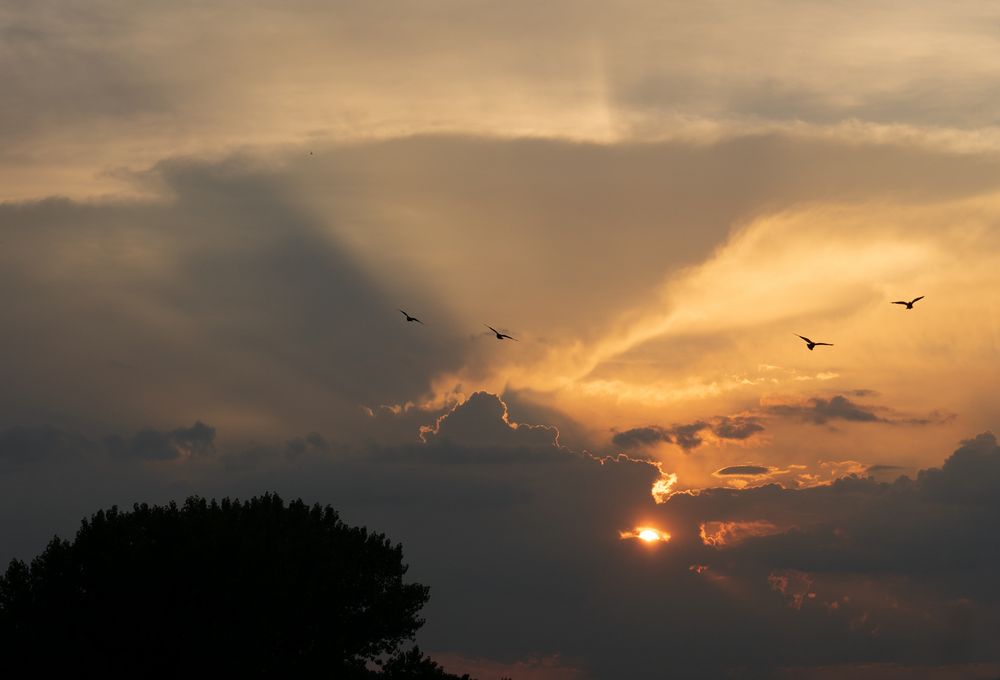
649,535
646,535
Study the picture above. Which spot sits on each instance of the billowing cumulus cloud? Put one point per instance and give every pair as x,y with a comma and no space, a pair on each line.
483,421
970,475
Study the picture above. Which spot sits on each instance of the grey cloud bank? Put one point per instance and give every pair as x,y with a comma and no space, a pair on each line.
519,540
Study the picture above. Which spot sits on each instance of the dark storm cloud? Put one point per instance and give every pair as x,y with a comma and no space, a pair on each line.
750,470
853,572
150,444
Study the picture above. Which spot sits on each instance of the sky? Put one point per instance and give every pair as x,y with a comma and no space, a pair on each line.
212,213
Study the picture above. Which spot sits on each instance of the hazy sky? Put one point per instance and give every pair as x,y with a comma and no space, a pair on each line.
210,214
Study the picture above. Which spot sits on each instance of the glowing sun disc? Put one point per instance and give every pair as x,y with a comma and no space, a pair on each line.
649,535
645,534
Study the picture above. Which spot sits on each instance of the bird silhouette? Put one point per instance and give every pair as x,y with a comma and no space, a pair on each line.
410,318
501,336
810,344
909,305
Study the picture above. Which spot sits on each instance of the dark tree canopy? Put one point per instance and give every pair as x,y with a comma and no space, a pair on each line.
239,588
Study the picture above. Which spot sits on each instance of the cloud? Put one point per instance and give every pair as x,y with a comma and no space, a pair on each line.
737,427
873,570
885,468
885,472
150,444
820,410
690,435
687,436
33,444
971,475
38,444
226,301
256,290
729,534
483,421
162,77
310,444
744,470
859,525
316,232
642,436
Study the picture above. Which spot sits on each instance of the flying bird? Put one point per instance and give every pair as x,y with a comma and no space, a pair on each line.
501,336
410,318
810,344
909,305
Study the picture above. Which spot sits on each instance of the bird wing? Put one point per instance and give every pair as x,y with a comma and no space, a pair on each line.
492,328
828,344
899,302
404,313
510,337
915,299
416,319
802,336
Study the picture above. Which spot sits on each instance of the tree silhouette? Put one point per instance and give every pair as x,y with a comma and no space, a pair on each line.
231,588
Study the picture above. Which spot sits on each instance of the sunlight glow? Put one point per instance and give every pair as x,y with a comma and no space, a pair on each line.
727,534
649,535
646,535
663,487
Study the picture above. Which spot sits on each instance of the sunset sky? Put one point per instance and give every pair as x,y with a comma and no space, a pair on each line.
211,213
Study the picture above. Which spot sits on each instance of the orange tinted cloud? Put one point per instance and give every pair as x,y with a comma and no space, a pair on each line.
728,534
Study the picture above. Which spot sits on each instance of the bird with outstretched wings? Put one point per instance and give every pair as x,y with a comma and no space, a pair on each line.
909,305
811,345
501,336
